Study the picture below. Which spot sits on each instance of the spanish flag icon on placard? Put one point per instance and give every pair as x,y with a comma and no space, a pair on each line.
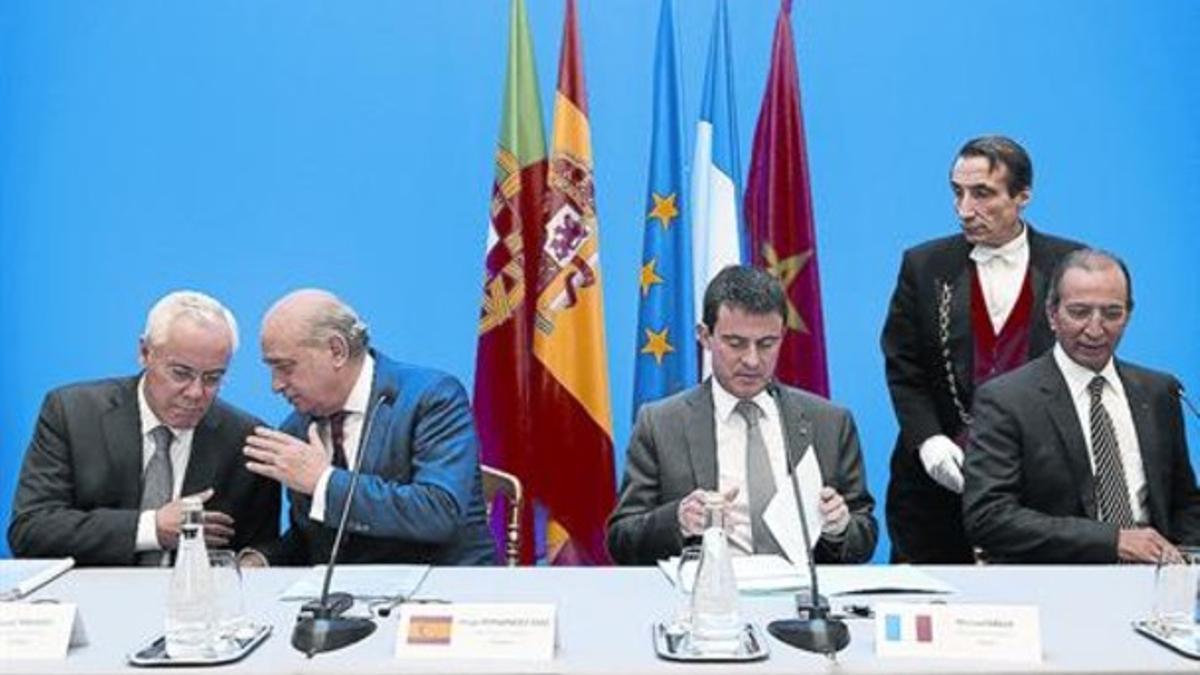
430,630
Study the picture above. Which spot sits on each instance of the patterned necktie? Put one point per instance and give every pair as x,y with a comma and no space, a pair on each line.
759,480
337,437
1112,495
158,481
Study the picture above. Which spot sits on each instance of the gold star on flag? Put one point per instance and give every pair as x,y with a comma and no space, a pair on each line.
657,345
664,209
786,270
649,277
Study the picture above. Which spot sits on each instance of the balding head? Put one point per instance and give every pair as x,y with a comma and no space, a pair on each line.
314,344
320,315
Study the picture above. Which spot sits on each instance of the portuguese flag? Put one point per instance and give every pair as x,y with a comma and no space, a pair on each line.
503,361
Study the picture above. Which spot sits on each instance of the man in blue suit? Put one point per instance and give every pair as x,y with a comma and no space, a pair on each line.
419,498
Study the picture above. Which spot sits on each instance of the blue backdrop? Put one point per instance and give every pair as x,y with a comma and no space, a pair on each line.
248,148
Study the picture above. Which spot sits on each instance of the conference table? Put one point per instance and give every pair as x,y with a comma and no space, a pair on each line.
605,615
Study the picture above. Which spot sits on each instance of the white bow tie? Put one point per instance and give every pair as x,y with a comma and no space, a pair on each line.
988,256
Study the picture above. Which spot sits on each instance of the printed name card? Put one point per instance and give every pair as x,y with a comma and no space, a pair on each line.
39,631
477,631
959,631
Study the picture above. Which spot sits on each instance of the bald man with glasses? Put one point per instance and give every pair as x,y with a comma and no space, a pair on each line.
110,460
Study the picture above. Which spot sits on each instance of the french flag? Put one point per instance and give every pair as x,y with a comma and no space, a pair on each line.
719,238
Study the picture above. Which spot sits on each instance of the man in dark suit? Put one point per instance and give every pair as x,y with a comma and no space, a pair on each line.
110,460
725,441
965,308
419,498
1078,457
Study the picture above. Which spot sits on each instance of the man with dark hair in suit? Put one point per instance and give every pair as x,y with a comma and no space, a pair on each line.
725,441
110,460
1078,457
419,498
965,309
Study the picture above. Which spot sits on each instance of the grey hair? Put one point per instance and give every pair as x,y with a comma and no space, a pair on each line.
193,304
336,318
1092,260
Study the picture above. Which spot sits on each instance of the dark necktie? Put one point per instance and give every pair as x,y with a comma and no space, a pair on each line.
1112,494
759,480
158,480
337,437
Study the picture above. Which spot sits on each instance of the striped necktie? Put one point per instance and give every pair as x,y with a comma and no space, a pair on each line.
1112,495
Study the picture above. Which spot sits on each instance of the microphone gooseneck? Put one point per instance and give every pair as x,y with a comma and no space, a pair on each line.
1187,401
815,630
321,626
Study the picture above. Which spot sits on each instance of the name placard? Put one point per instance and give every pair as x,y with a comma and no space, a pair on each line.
477,631
39,631
959,631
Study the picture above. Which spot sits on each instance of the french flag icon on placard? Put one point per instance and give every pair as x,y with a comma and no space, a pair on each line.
908,628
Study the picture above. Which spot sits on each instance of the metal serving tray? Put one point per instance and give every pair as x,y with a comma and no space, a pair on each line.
154,654
674,647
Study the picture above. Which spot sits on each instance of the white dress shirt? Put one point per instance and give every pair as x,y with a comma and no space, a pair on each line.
1113,397
731,458
180,452
1001,275
356,409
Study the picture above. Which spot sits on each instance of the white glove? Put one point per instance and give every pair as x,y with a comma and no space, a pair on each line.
943,462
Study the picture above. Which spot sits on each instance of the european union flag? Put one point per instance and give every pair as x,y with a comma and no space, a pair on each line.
666,348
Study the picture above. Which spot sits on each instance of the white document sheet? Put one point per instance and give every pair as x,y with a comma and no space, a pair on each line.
369,582
867,579
781,515
19,578
771,573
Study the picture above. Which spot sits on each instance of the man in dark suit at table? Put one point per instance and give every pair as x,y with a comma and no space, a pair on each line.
1078,457
966,308
419,498
110,459
725,441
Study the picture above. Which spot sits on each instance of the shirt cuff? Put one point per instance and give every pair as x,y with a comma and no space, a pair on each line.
316,512
147,533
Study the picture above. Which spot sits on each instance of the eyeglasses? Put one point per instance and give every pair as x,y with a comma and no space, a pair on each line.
1083,312
184,376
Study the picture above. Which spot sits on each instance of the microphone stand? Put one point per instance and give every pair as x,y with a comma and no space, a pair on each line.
815,630
320,627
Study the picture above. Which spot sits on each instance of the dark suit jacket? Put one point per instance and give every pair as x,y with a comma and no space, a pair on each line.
924,519
1029,493
419,498
673,451
79,493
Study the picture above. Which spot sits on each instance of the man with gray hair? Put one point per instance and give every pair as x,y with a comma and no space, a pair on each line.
111,459
419,498
1077,456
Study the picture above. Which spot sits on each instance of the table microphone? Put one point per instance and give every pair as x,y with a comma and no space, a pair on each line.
817,631
321,626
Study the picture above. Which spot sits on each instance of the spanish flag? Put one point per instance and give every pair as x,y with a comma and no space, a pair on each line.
575,482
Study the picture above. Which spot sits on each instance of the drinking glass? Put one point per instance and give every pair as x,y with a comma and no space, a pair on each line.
229,612
1175,593
685,581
